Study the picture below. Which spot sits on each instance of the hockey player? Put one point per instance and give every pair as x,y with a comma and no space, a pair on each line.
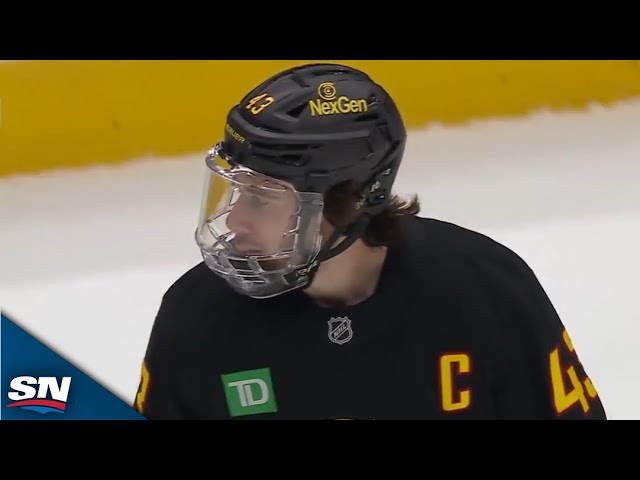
323,295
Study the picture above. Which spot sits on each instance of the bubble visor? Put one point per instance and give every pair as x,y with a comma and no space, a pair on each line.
256,231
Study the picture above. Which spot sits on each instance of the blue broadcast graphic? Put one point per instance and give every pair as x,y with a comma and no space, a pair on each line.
38,384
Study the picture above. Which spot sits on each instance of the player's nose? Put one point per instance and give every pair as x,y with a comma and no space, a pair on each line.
239,220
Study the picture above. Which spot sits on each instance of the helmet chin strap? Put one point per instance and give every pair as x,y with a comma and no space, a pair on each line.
374,199
351,233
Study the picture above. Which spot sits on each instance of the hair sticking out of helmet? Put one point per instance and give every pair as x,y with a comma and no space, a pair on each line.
312,128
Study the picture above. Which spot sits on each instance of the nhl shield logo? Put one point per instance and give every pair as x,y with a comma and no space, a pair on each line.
340,330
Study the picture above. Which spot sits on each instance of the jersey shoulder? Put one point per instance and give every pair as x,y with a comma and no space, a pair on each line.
189,305
509,304
187,287
459,247
479,268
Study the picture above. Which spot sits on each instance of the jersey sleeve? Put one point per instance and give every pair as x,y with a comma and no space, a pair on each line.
543,376
158,393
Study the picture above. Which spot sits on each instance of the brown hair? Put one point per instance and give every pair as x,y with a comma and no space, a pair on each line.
384,228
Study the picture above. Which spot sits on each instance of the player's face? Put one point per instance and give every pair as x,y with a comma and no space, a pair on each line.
261,219
255,230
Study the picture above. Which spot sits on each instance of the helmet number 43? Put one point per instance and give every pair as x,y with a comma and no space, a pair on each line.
256,108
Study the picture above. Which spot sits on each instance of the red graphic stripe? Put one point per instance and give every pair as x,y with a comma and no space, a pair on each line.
39,403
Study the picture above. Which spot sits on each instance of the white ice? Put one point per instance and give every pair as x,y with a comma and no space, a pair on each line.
85,256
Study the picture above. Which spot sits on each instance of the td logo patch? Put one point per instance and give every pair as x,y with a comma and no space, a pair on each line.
249,392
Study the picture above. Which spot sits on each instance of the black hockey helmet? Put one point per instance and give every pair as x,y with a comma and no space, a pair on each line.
316,126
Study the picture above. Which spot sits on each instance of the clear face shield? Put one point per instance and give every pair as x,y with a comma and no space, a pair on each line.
255,231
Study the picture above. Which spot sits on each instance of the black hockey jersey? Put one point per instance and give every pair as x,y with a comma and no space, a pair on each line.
459,328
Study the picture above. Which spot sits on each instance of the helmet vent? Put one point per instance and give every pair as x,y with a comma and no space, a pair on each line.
296,160
367,117
329,72
288,147
295,112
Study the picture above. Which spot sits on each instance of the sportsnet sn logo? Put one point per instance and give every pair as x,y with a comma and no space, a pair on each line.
42,394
